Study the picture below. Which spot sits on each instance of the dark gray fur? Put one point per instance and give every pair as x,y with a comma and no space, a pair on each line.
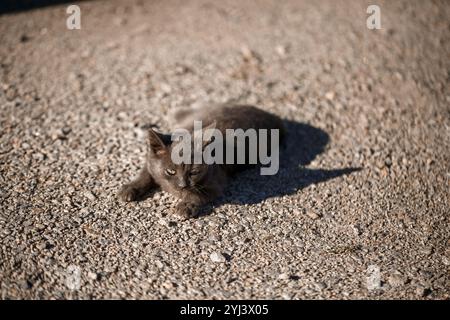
195,184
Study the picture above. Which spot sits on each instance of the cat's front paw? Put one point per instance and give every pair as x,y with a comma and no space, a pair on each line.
128,193
187,210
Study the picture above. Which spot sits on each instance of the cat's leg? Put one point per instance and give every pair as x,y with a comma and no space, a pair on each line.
191,203
188,209
137,188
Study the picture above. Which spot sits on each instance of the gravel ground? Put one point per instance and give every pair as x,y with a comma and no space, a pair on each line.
364,184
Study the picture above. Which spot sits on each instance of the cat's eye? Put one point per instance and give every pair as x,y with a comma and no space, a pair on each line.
194,172
170,172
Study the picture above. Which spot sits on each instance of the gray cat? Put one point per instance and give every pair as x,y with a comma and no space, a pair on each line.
195,184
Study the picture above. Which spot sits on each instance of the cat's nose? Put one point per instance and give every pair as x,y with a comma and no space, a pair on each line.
182,184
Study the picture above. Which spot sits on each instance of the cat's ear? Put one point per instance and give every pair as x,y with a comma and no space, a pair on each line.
211,126
208,134
155,142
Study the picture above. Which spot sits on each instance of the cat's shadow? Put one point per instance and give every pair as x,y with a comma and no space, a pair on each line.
301,146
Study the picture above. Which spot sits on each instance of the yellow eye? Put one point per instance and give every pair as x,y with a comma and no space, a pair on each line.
170,172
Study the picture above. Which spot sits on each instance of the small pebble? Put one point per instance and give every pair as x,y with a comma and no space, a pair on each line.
329,95
90,195
396,280
313,215
217,257
283,276
92,275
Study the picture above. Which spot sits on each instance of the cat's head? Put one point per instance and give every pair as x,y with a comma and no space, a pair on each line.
171,176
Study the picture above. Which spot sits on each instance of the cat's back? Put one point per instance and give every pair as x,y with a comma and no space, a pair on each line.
226,116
